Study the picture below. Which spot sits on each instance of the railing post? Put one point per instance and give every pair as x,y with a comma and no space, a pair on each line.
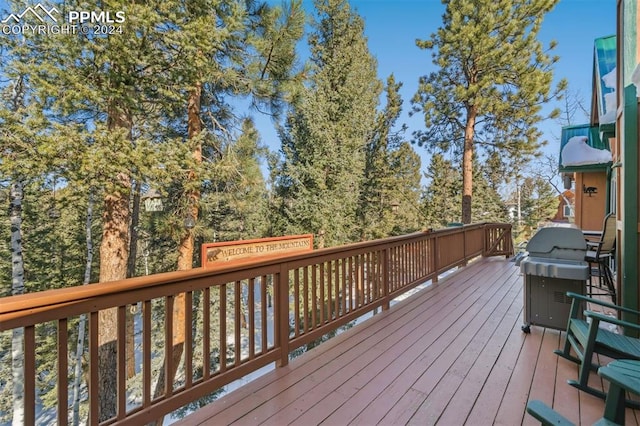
485,239
282,314
435,258
464,245
386,282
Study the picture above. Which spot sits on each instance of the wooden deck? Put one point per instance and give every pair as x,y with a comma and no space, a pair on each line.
452,354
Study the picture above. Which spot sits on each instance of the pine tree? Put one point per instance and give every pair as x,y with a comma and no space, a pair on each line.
324,139
442,191
406,166
237,208
539,203
492,80
245,49
248,50
391,187
376,202
487,205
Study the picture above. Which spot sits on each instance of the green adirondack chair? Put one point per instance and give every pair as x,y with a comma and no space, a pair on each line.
622,375
586,336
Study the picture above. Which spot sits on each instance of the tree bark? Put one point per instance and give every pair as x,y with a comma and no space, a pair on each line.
114,254
131,272
467,166
113,266
194,128
133,230
17,287
185,250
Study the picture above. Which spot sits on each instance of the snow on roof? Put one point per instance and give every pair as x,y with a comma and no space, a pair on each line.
605,78
610,101
635,79
576,152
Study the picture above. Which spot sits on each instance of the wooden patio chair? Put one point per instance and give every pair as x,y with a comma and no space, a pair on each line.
586,336
599,253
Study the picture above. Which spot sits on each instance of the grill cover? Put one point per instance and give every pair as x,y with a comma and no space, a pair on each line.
557,253
558,243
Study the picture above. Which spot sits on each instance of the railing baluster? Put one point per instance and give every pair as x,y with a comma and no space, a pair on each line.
223,328
93,369
330,301
188,339
282,313
343,282
146,353
264,305
296,301
336,273
305,298
323,304
359,287
314,297
366,298
168,345
349,279
252,317
237,323
121,381
29,375
63,376
379,280
206,334
415,259
385,278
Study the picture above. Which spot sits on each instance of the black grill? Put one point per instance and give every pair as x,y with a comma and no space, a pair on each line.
555,265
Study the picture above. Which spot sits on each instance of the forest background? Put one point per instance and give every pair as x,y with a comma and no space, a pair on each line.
390,30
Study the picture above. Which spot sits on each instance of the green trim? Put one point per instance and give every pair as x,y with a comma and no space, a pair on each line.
629,243
608,130
629,158
602,167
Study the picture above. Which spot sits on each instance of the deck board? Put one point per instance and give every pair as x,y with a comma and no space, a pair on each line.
450,354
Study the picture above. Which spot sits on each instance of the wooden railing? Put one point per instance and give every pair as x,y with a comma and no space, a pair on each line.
236,320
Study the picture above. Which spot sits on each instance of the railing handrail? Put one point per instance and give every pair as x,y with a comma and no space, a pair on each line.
49,298
314,293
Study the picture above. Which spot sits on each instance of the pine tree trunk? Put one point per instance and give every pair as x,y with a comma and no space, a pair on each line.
131,272
467,166
185,250
133,230
17,287
83,318
114,254
194,128
113,266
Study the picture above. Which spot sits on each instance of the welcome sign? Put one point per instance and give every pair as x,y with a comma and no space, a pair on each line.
225,253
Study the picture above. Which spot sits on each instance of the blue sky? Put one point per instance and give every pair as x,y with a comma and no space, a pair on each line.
392,27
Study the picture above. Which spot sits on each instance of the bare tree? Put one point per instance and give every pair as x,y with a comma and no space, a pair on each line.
547,168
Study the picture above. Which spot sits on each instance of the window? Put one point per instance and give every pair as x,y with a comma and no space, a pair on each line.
567,211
